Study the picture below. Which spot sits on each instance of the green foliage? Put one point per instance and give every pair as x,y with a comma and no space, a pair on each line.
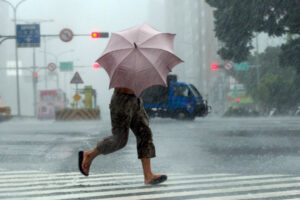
237,22
270,84
274,90
291,54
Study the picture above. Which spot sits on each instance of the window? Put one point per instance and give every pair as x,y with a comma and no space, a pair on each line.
195,91
181,91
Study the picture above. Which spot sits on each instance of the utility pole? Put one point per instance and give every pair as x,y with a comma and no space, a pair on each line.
257,61
34,83
16,52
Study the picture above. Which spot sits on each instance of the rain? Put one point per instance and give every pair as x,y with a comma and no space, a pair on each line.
91,91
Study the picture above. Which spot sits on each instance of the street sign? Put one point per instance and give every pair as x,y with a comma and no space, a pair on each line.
28,35
51,67
76,97
66,35
241,66
228,65
66,66
76,79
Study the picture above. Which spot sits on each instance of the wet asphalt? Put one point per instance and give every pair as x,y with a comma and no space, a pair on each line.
207,145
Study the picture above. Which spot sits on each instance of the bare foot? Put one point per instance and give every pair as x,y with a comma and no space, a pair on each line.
155,179
86,163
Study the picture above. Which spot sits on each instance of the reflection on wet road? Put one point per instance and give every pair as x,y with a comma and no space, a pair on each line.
211,158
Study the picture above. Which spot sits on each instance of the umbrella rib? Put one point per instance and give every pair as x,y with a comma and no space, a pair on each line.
156,36
121,62
164,51
152,37
160,75
124,38
158,49
113,51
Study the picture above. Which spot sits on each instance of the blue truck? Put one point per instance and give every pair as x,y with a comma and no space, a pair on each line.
179,100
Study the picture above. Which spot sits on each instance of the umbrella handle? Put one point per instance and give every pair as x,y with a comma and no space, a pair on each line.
135,46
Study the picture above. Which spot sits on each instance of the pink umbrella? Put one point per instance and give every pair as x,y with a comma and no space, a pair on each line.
138,58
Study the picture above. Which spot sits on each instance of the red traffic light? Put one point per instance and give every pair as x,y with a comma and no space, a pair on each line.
96,65
35,74
95,34
238,99
214,66
0,100
100,34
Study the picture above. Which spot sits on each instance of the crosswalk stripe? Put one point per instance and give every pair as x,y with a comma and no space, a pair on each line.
170,182
93,183
18,172
23,177
275,194
128,186
62,180
169,194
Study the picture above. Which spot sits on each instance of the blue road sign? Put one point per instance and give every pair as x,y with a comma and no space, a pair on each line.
28,35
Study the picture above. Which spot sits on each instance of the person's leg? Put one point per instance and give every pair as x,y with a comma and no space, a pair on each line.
145,147
120,121
106,146
148,175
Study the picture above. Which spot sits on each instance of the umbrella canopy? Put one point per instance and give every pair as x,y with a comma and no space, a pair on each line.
138,58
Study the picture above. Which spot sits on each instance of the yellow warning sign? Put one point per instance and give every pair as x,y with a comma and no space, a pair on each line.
76,97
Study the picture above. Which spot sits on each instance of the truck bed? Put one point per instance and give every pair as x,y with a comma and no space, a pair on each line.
156,95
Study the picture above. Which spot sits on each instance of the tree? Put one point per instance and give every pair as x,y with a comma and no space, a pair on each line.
291,54
277,87
274,90
237,22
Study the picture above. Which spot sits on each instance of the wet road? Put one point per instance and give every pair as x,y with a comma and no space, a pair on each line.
227,155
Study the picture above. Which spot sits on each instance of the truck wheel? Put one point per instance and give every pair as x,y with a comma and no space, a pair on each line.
183,115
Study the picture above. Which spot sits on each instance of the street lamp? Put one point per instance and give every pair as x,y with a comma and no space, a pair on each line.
16,50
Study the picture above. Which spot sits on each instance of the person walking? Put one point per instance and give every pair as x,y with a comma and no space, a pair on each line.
134,59
127,112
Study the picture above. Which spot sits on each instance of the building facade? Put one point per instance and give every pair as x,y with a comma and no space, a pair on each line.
195,43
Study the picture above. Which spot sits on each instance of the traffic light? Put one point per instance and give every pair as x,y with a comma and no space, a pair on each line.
96,65
95,34
100,34
214,66
35,76
0,100
238,99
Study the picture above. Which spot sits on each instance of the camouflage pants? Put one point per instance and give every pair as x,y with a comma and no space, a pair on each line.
127,111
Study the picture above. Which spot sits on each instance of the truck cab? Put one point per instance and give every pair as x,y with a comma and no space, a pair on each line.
179,100
185,101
